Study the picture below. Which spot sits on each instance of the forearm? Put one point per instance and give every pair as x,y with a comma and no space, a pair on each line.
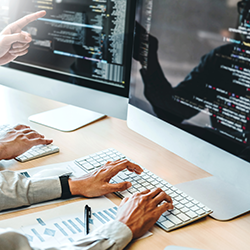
17,190
111,236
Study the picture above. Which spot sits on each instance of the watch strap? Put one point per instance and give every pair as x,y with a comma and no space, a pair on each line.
65,187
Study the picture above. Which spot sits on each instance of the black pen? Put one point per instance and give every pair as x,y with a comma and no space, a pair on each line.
87,216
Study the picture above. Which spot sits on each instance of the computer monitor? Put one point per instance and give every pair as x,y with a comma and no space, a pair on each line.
80,53
190,93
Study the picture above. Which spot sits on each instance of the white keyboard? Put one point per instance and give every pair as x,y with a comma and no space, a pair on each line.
186,208
33,153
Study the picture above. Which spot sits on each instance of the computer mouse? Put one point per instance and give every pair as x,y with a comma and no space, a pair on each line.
51,172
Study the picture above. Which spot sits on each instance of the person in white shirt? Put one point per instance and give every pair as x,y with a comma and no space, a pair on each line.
135,216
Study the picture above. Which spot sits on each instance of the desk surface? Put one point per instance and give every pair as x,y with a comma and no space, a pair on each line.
206,233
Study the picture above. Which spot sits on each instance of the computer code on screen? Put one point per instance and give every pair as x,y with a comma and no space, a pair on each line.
84,40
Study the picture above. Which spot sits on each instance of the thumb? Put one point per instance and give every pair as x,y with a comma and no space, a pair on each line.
17,37
119,186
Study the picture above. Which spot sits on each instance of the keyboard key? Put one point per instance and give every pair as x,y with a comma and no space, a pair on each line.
195,208
167,224
161,219
167,213
132,190
117,179
179,206
122,175
175,211
125,193
201,212
191,214
184,209
183,217
140,189
174,219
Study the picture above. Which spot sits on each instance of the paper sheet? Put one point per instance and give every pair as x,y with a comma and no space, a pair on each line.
64,224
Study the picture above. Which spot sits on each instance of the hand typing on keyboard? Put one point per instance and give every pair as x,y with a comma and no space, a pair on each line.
15,141
96,183
186,209
141,211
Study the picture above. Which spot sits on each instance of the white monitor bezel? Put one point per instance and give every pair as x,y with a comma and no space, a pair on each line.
67,93
229,172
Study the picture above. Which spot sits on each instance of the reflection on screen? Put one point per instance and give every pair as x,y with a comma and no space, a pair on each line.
197,75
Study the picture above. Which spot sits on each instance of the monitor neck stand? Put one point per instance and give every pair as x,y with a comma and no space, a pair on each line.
67,118
226,200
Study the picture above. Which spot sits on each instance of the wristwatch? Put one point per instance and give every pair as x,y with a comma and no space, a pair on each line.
65,187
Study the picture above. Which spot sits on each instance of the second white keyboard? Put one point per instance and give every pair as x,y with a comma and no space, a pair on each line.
186,209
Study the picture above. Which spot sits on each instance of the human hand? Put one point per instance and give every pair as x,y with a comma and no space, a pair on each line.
141,211
18,140
97,183
13,41
145,49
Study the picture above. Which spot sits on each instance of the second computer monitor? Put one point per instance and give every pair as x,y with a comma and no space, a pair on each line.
80,53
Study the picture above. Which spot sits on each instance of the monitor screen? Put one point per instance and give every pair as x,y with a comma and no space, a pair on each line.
190,92
85,43
194,73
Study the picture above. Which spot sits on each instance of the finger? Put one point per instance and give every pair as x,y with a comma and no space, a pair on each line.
162,196
144,192
20,126
18,45
19,24
164,207
156,192
124,200
19,50
25,130
118,186
20,53
16,37
38,141
123,164
33,135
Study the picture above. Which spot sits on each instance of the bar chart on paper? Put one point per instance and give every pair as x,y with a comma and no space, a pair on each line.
62,225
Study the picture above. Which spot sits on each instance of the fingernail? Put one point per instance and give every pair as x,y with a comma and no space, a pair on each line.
129,185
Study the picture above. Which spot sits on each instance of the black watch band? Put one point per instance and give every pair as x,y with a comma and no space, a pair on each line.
65,187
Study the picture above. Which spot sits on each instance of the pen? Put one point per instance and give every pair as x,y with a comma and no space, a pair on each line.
87,216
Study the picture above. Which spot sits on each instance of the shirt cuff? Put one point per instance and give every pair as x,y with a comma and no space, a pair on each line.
44,189
116,231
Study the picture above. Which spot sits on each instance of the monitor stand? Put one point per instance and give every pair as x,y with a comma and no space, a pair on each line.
67,118
223,198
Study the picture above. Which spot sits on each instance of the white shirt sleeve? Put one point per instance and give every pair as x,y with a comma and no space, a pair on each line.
16,190
111,236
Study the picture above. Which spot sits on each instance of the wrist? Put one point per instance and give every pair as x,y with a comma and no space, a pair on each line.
1,151
73,186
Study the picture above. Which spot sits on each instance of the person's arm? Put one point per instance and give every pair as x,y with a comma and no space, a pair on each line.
135,216
16,190
159,91
112,236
